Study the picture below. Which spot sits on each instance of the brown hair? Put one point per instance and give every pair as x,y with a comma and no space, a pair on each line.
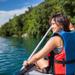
62,20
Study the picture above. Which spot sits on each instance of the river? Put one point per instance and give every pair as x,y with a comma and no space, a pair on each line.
13,51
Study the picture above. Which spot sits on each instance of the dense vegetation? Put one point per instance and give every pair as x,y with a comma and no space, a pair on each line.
35,21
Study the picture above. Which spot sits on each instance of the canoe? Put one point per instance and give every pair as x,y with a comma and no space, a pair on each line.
33,71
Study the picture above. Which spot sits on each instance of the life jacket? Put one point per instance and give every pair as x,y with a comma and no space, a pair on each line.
64,62
51,62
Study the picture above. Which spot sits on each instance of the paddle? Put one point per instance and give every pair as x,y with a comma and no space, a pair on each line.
22,70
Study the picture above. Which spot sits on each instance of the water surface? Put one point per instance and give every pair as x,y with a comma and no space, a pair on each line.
13,51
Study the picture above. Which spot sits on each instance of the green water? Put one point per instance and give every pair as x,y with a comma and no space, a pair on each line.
13,51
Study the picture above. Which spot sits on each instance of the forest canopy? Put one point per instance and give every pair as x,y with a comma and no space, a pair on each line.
34,22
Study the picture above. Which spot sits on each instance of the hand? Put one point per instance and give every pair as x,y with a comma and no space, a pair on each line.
27,66
24,68
25,63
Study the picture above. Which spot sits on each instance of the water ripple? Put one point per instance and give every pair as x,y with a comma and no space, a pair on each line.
13,51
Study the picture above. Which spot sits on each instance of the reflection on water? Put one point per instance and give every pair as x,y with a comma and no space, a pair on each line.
12,53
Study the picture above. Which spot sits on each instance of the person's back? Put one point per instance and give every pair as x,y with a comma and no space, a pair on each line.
66,59
69,45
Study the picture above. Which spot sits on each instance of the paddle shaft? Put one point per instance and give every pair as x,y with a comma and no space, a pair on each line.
36,48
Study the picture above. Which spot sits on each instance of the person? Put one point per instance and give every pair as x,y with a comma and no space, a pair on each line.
71,26
60,28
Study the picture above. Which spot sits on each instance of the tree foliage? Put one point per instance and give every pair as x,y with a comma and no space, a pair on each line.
34,22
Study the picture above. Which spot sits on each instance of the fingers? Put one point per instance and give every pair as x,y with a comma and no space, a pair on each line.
25,63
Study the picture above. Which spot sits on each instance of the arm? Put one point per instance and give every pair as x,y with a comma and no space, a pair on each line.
49,46
52,43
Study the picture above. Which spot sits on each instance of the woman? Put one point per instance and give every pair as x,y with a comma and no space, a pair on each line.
71,27
58,24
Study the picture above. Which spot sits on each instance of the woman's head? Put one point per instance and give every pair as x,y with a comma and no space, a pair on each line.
58,22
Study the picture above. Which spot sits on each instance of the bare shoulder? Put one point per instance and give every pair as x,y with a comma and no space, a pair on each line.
56,40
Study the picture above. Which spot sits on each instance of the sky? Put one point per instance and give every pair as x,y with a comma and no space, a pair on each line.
9,8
